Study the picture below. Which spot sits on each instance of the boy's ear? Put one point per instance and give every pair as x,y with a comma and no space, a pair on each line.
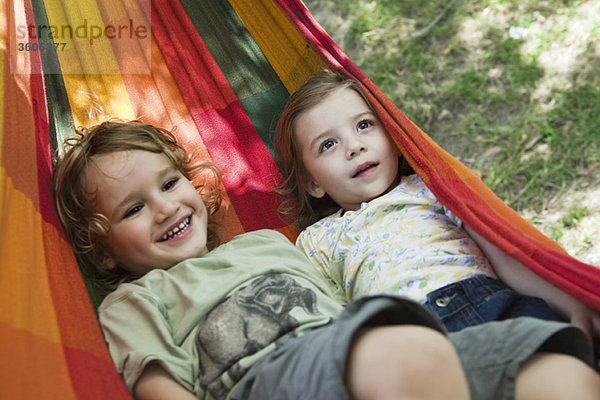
315,190
109,262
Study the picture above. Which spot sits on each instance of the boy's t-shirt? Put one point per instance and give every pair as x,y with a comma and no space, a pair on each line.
207,320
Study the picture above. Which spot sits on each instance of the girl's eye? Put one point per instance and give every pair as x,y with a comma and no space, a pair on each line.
170,184
326,145
132,211
364,124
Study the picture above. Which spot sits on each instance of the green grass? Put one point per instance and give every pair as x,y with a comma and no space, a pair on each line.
494,102
570,219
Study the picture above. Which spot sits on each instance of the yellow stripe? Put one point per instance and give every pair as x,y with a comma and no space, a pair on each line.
91,72
96,98
279,40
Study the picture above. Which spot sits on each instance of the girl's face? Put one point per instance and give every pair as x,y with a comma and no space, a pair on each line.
157,218
346,150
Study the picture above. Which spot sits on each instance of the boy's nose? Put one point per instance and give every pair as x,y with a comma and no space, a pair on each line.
165,209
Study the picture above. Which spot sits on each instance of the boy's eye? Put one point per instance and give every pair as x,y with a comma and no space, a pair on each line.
364,124
170,184
326,145
132,211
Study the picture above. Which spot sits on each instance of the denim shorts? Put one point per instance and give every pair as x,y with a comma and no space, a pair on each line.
481,299
313,365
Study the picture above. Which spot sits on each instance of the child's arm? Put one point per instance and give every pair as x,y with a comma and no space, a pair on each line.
156,384
525,281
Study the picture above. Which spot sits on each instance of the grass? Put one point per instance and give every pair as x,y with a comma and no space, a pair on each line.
524,112
568,220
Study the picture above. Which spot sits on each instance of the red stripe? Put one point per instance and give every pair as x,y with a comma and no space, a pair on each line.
232,141
250,172
42,138
94,378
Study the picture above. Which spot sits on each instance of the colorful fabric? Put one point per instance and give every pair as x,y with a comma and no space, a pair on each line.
404,242
217,70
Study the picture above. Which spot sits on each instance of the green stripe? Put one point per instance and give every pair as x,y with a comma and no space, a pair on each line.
60,117
253,80
264,109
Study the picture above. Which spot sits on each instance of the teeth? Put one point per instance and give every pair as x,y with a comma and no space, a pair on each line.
177,230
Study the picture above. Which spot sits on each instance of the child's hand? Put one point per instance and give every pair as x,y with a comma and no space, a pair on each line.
588,320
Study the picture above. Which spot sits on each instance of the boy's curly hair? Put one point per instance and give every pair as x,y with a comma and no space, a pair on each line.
297,202
85,229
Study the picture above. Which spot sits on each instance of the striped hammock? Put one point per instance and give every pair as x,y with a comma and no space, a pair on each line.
219,71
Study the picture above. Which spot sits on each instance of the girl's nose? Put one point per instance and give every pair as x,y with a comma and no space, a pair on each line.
354,147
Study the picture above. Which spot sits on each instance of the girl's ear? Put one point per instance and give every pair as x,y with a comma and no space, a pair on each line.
315,190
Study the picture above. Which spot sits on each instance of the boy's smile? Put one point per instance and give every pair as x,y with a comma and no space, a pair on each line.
156,216
346,150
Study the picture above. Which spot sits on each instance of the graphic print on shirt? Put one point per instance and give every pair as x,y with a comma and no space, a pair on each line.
250,319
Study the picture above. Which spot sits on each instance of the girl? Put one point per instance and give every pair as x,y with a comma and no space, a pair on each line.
249,319
376,228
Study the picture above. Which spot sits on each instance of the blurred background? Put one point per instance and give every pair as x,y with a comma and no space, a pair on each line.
510,88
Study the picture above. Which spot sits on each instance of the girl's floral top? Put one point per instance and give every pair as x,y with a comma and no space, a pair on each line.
404,242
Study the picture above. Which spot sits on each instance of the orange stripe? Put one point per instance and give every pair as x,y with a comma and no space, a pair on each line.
25,298
32,367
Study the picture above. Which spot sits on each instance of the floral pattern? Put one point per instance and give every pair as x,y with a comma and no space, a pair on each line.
404,242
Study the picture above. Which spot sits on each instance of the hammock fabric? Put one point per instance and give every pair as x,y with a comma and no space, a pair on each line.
219,71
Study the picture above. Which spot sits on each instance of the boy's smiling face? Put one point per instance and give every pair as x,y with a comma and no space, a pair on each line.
346,150
156,216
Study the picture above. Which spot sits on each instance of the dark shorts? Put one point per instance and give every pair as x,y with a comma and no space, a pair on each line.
492,353
312,366
481,299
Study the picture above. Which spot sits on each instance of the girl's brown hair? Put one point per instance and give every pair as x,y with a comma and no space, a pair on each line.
86,230
297,202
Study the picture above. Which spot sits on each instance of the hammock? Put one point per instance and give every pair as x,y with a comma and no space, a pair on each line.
219,71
